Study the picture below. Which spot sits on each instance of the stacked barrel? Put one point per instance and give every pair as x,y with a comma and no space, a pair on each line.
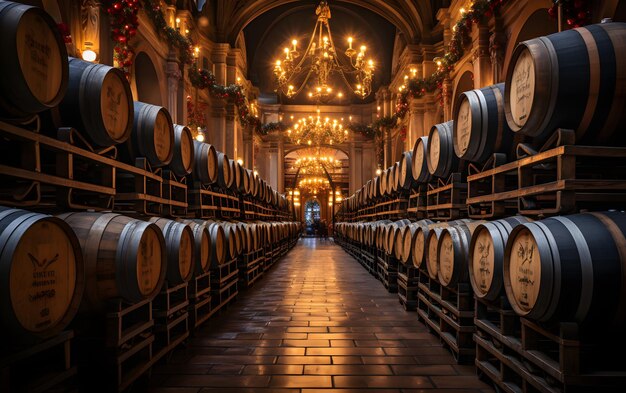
99,246
528,284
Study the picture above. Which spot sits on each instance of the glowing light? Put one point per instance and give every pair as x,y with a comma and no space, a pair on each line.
89,55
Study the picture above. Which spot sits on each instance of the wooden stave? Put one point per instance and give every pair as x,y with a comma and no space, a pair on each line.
174,232
604,263
421,173
144,119
126,247
82,110
178,164
14,223
490,133
205,167
499,231
26,103
561,98
448,161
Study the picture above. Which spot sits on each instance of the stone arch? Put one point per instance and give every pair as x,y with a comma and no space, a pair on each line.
463,82
146,80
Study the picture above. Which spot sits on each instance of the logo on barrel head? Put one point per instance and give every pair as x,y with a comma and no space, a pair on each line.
42,265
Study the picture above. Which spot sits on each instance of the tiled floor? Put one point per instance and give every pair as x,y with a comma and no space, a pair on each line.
317,322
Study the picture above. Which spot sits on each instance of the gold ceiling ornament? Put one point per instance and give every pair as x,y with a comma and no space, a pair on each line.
314,184
317,131
321,59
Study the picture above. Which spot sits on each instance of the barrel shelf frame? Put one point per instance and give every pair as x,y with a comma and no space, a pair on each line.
446,199
171,325
224,285
530,358
418,202
206,201
199,299
175,191
407,287
559,180
52,358
139,189
449,314
250,267
65,173
387,272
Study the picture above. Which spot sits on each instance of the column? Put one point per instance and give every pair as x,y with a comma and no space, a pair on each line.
352,161
416,122
173,80
483,75
273,162
217,132
281,165
248,147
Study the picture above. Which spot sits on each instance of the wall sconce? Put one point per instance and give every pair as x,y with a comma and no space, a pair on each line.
89,55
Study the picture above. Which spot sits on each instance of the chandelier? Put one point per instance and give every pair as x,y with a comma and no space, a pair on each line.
314,185
321,59
317,131
317,161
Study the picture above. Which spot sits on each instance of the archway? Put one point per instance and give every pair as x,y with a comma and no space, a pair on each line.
147,81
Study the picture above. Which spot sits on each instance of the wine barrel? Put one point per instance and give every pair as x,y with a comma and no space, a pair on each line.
246,181
419,159
183,158
152,136
98,103
575,79
400,237
486,254
441,158
235,174
405,174
125,258
569,268
431,255
35,65
230,241
205,168
391,179
418,242
218,244
202,246
41,274
224,178
480,128
392,233
383,182
179,246
453,253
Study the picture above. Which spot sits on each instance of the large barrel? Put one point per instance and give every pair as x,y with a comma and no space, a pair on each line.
383,182
419,159
441,158
98,103
569,268
202,246
235,173
418,242
183,158
431,255
124,258
453,253
486,254
42,274
575,79
480,128
152,136
205,168
35,65
248,181
218,244
179,245
392,233
224,178
405,174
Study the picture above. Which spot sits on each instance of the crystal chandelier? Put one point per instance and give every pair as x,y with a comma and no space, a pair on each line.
314,185
317,161
317,131
321,59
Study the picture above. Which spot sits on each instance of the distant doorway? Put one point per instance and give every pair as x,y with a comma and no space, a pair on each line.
312,215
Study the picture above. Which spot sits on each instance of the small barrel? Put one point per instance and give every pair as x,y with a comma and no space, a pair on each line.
441,158
419,159
486,254
569,268
183,158
98,103
124,258
152,136
575,79
179,245
206,167
41,274
224,178
202,246
35,65
480,128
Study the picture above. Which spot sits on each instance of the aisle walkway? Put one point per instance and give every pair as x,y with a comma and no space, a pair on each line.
317,321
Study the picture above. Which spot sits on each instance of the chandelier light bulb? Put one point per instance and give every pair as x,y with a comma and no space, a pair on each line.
363,48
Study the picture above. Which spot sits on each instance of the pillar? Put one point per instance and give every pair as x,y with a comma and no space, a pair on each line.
173,80
217,132
280,185
483,75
